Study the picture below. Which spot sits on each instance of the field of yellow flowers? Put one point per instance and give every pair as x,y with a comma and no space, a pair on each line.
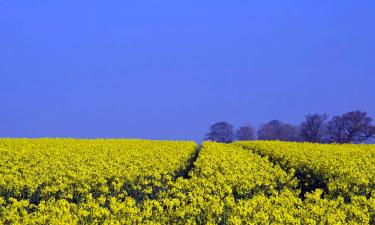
114,181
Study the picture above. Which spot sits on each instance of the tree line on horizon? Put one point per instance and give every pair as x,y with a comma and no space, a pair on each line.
351,127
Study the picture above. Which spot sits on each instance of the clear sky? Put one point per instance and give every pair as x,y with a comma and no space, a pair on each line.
169,69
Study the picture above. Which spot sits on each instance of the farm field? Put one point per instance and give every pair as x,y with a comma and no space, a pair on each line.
71,181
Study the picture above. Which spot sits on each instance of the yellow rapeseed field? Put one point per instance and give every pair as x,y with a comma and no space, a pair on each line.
114,181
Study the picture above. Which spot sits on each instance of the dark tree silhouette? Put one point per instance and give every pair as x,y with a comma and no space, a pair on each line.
312,129
277,130
246,132
220,132
351,127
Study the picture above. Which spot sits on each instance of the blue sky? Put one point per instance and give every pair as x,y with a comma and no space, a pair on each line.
169,69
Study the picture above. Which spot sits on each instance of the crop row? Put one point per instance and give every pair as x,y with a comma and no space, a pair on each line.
70,169
340,170
232,185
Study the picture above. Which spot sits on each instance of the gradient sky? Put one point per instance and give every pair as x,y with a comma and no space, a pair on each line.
169,69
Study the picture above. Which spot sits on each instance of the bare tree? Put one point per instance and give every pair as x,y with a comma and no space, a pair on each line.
277,130
312,129
220,132
246,132
351,127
